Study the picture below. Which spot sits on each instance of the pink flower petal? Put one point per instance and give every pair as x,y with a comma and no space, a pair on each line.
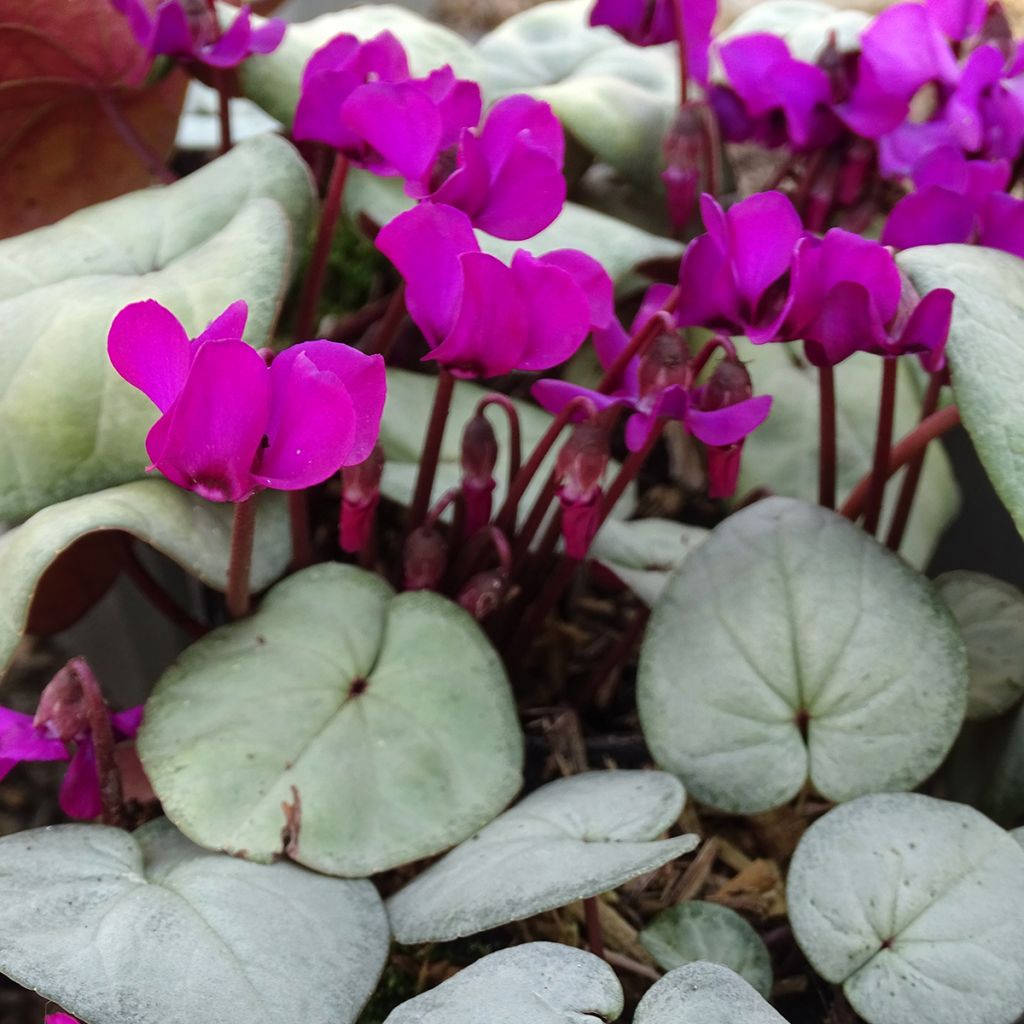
458,102
230,325
425,244
931,216
171,33
558,311
555,395
150,349
126,723
764,230
232,46
208,440
518,118
730,424
526,195
592,278
80,791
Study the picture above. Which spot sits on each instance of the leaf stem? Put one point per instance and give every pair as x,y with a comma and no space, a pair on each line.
827,434
431,448
910,447
243,530
905,503
316,272
883,444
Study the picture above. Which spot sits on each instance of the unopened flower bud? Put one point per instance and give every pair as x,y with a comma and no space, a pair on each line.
479,456
664,364
582,462
684,151
202,21
728,385
579,523
483,593
839,67
359,500
425,558
724,470
855,172
63,710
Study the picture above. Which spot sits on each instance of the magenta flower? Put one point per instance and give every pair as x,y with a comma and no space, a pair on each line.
652,22
360,99
230,425
190,31
480,317
781,99
658,385
24,738
891,70
59,1018
508,175
958,19
735,278
958,200
849,296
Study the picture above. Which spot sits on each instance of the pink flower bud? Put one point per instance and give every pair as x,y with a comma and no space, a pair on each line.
425,559
664,364
723,470
63,710
684,149
579,523
855,172
482,594
479,457
582,462
730,384
359,501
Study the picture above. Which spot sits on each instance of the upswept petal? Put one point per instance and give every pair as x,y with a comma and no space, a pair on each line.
126,723
458,102
526,194
1001,223
764,230
229,326
170,32
514,117
930,216
399,122
208,440
557,308
958,19
848,322
927,329
730,424
492,325
846,256
555,395
232,46
707,288
150,349
592,278
318,113
425,244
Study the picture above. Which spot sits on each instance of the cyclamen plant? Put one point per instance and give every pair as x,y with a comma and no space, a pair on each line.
602,559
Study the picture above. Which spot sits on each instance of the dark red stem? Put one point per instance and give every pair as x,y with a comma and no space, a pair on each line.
243,530
883,444
313,285
684,70
909,448
595,934
515,444
103,742
700,360
431,448
659,322
225,78
908,490
384,338
827,434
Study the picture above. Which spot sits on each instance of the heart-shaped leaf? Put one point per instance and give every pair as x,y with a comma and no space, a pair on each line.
988,378
570,839
537,983
990,614
782,453
614,98
697,930
386,721
642,553
66,70
193,532
618,246
915,906
704,993
775,654
70,425
147,928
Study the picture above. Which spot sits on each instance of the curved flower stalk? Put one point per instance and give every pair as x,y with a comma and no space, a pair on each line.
231,425
64,728
958,200
481,317
188,30
660,384
507,175
360,99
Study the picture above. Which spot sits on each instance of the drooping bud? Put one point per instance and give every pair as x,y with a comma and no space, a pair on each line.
822,196
202,21
359,500
684,151
483,593
479,457
664,364
63,708
425,558
581,465
729,384
839,67
855,172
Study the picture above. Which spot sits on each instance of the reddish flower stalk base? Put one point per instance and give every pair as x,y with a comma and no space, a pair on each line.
431,448
913,445
827,426
883,445
242,531
225,87
595,933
